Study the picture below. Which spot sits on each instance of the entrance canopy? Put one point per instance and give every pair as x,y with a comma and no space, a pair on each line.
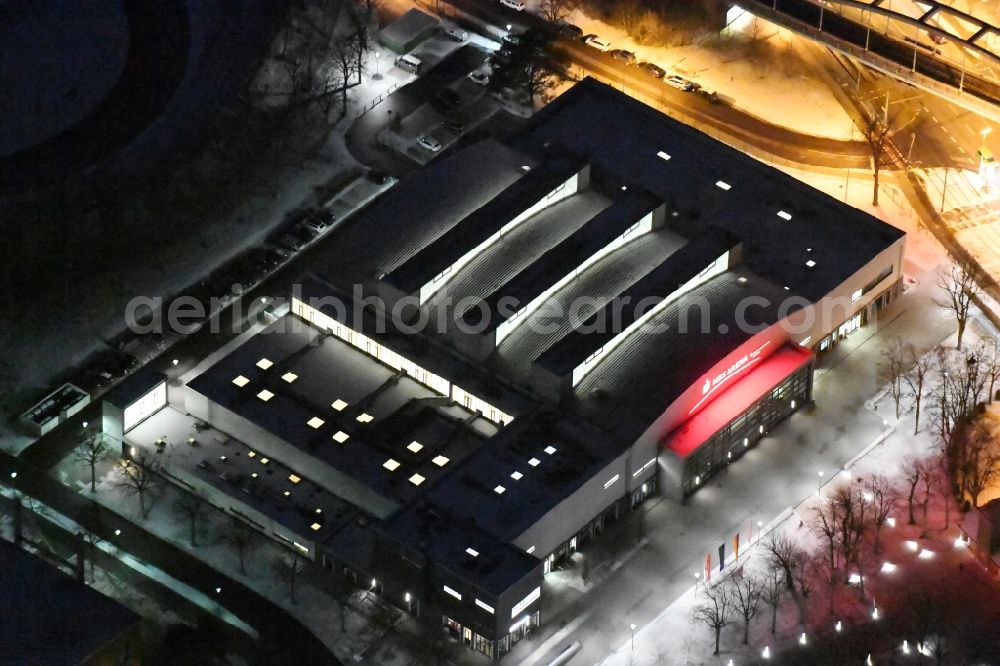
735,400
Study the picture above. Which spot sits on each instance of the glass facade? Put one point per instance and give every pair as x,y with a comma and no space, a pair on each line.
742,433
493,649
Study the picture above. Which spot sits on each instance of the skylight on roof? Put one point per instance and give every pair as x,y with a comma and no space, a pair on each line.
295,479
265,395
783,215
315,527
441,461
416,479
550,449
241,381
264,364
340,437
499,490
338,404
516,475
741,279
472,551
365,417
810,263
289,377
663,156
390,465
264,461
722,185
315,422
287,493
534,462
415,446
251,454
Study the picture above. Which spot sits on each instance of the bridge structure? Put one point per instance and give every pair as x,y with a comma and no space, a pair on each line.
926,43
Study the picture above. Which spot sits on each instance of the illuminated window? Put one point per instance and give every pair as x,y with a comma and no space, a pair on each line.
440,461
783,215
534,462
265,395
251,454
611,481
530,550
264,364
856,295
810,263
287,493
340,437
339,405
254,475
415,446
390,465
315,422
663,156
241,381
516,476
295,479
472,551
485,607
289,377
452,592
722,185
319,511
365,417
315,527
264,461
416,479
550,450
499,490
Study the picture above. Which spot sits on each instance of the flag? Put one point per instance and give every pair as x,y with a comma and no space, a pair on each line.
736,545
750,532
722,555
708,567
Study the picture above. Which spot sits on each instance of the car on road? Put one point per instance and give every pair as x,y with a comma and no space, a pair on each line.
626,57
569,30
652,70
456,34
596,42
430,143
516,5
479,78
681,83
446,101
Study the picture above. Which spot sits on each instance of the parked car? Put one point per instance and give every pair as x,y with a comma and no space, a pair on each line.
479,78
293,241
430,143
710,95
456,34
681,83
569,30
652,70
316,226
516,5
596,42
446,101
626,57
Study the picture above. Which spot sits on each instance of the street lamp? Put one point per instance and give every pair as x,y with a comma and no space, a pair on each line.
760,526
819,487
632,627
885,427
377,75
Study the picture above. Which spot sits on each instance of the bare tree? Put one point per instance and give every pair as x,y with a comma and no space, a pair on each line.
241,538
138,477
745,593
988,352
879,129
960,289
714,611
288,566
976,459
556,10
346,61
825,524
884,497
919,368
190,506
782,553
771,592
892,369
93,451
850,510
912,472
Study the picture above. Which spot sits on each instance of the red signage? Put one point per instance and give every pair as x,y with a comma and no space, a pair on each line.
712,384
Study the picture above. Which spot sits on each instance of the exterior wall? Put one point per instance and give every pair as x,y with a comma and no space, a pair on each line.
331,479
809,326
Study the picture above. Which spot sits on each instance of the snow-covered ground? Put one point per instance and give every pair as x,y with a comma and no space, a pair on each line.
776,85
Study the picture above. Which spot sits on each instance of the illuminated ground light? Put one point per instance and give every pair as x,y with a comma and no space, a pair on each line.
888,567
905,647
926,554
802,639
854,579
766,654
838,627
875,613
912,545
891,522
960,542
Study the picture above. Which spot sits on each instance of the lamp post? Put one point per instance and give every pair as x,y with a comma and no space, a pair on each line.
377,76
632,627
819,486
